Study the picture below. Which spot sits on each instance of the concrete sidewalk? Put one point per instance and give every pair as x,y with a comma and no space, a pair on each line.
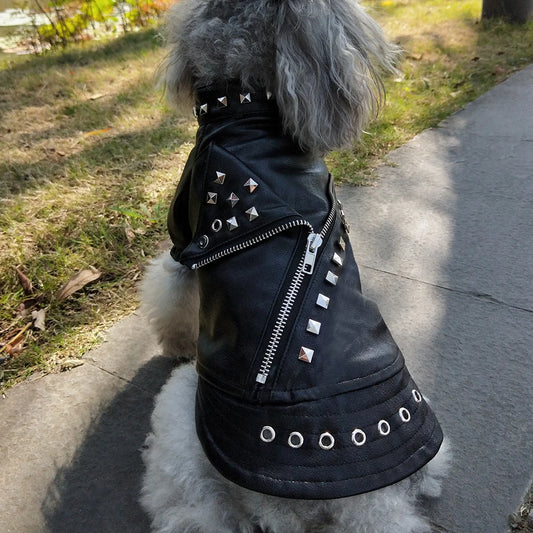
444,241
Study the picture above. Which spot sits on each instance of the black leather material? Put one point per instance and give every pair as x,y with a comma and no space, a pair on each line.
259,310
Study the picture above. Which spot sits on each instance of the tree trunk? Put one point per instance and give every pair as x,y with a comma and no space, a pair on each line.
514,10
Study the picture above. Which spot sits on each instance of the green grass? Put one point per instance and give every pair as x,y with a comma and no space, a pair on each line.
450,58
91,155
90,158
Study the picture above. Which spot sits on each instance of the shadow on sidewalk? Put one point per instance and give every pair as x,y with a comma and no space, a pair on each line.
98,492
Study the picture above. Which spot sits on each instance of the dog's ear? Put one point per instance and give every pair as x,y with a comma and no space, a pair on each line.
327,85
174,74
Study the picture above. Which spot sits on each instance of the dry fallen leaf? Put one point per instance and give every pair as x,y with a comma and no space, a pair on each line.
39,318
77,282
14,345
98,132
16,350
26,283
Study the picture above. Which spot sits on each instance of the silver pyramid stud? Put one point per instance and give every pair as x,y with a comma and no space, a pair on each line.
223,101
342,244
203,109
212,198
232,223
313,327
195,112
245,98
337,259
252,185
306,354
233,199
269,95
332,278
220,178
322,301
252,213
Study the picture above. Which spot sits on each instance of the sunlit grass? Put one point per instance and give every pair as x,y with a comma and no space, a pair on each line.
450,58
90,158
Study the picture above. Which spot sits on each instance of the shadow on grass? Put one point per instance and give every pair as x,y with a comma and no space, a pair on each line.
46,80
119,48
130,153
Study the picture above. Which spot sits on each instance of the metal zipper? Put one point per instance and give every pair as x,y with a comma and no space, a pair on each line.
305,267
251,242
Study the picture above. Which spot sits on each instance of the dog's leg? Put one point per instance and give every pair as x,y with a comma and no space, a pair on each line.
432,475
181,491
392,509
170,301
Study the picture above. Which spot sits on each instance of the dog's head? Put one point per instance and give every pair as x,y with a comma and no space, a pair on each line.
319,58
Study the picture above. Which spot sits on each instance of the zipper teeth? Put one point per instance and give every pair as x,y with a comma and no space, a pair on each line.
286,307
329,220
281,320
251,242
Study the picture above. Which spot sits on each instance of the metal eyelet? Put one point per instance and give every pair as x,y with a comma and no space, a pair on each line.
268,434
216,225
383,427
203,241
405,415
417,396
296,439
326,441
358,437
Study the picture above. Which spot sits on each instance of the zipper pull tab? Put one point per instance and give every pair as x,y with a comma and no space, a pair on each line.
314,241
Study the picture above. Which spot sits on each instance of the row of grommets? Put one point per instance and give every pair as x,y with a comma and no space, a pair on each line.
326,440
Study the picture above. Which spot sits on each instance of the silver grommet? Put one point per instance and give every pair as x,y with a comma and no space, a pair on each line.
295,439
203,241
326,441
358,437
417,396
383,427
405,415
268,434
216,225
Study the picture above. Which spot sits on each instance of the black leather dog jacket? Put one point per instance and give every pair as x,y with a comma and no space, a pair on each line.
302,391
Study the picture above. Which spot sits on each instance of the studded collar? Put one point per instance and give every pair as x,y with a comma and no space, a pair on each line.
231,100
